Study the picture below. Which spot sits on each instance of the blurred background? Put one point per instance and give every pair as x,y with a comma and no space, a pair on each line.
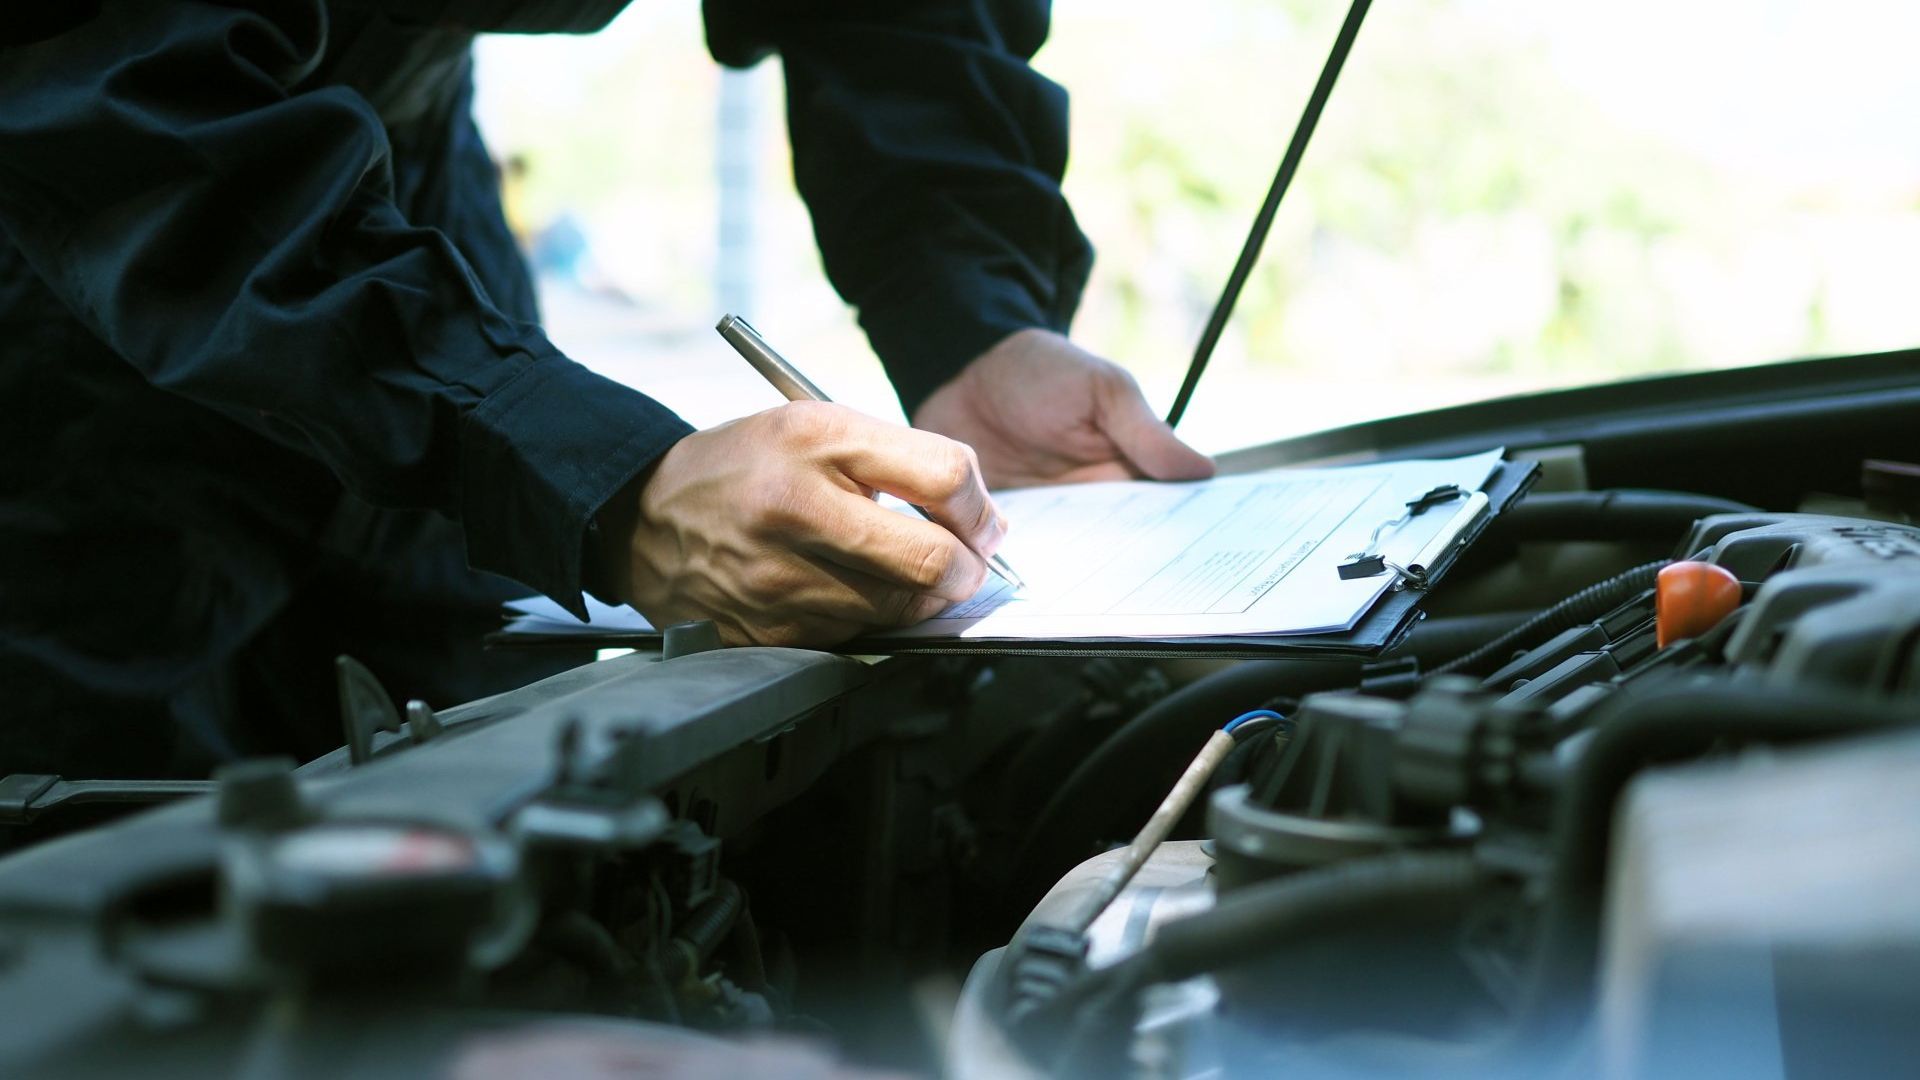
1502,196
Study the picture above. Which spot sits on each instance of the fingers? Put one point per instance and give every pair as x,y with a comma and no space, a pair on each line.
765,526
930,471
901,551
1143,438
944,557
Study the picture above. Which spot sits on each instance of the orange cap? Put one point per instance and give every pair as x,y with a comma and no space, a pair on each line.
1690,598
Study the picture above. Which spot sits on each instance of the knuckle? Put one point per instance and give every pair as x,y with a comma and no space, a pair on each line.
934,566
786,422
956,470
778,421
1114,380
809,423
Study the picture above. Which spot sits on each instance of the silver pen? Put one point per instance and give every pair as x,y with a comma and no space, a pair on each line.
797,387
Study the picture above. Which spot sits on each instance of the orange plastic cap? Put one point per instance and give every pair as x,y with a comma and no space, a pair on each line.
1690,598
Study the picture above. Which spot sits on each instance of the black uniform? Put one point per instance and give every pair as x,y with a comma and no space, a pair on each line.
271,380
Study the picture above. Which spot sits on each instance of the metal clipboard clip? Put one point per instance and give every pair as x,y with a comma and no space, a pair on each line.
1371,563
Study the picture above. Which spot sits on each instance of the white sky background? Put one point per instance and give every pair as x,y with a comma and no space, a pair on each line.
1811,91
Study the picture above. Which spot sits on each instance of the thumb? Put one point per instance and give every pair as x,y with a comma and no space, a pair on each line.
1142,438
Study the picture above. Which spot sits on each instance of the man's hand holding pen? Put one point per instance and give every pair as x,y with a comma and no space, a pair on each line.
767,525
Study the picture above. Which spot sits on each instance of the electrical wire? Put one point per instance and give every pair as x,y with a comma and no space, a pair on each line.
1150,750
1584,606
1234,724
1172,808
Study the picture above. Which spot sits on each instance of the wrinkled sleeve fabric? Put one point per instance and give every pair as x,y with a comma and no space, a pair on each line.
234,238
930,154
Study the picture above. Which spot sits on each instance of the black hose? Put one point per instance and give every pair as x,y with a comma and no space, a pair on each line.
1436,640
1617,514
1150,751
1260,919
1584,606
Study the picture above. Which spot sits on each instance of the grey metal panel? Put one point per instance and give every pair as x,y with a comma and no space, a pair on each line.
642,722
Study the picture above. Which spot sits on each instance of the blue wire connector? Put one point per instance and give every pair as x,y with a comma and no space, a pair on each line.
1257,714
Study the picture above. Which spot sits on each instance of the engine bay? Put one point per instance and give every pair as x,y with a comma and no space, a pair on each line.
1635,799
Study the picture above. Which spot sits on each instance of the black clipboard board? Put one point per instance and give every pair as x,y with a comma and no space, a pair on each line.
1384,625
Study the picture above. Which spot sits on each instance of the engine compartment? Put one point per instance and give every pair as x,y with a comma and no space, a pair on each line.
1529,840
1415,879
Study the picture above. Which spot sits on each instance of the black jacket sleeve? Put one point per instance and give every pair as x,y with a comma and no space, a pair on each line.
235,239
930,155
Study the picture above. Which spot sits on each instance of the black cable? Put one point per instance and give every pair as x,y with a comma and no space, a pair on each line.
1254,921
1584,606
1263,221
1436,640
1150,751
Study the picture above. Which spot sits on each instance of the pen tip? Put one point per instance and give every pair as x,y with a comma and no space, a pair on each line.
1006,573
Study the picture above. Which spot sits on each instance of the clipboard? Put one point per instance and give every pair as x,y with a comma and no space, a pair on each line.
1384,626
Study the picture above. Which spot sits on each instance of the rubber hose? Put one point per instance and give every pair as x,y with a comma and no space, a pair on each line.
1618,514
1149,751
1584,606
1258,920
1442,638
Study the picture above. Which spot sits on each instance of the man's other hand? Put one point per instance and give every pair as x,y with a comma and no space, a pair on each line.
767,526
1040,410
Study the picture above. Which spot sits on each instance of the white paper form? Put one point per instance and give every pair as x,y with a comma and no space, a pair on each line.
1235,555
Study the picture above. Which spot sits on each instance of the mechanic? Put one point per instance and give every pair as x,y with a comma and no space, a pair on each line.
267,340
